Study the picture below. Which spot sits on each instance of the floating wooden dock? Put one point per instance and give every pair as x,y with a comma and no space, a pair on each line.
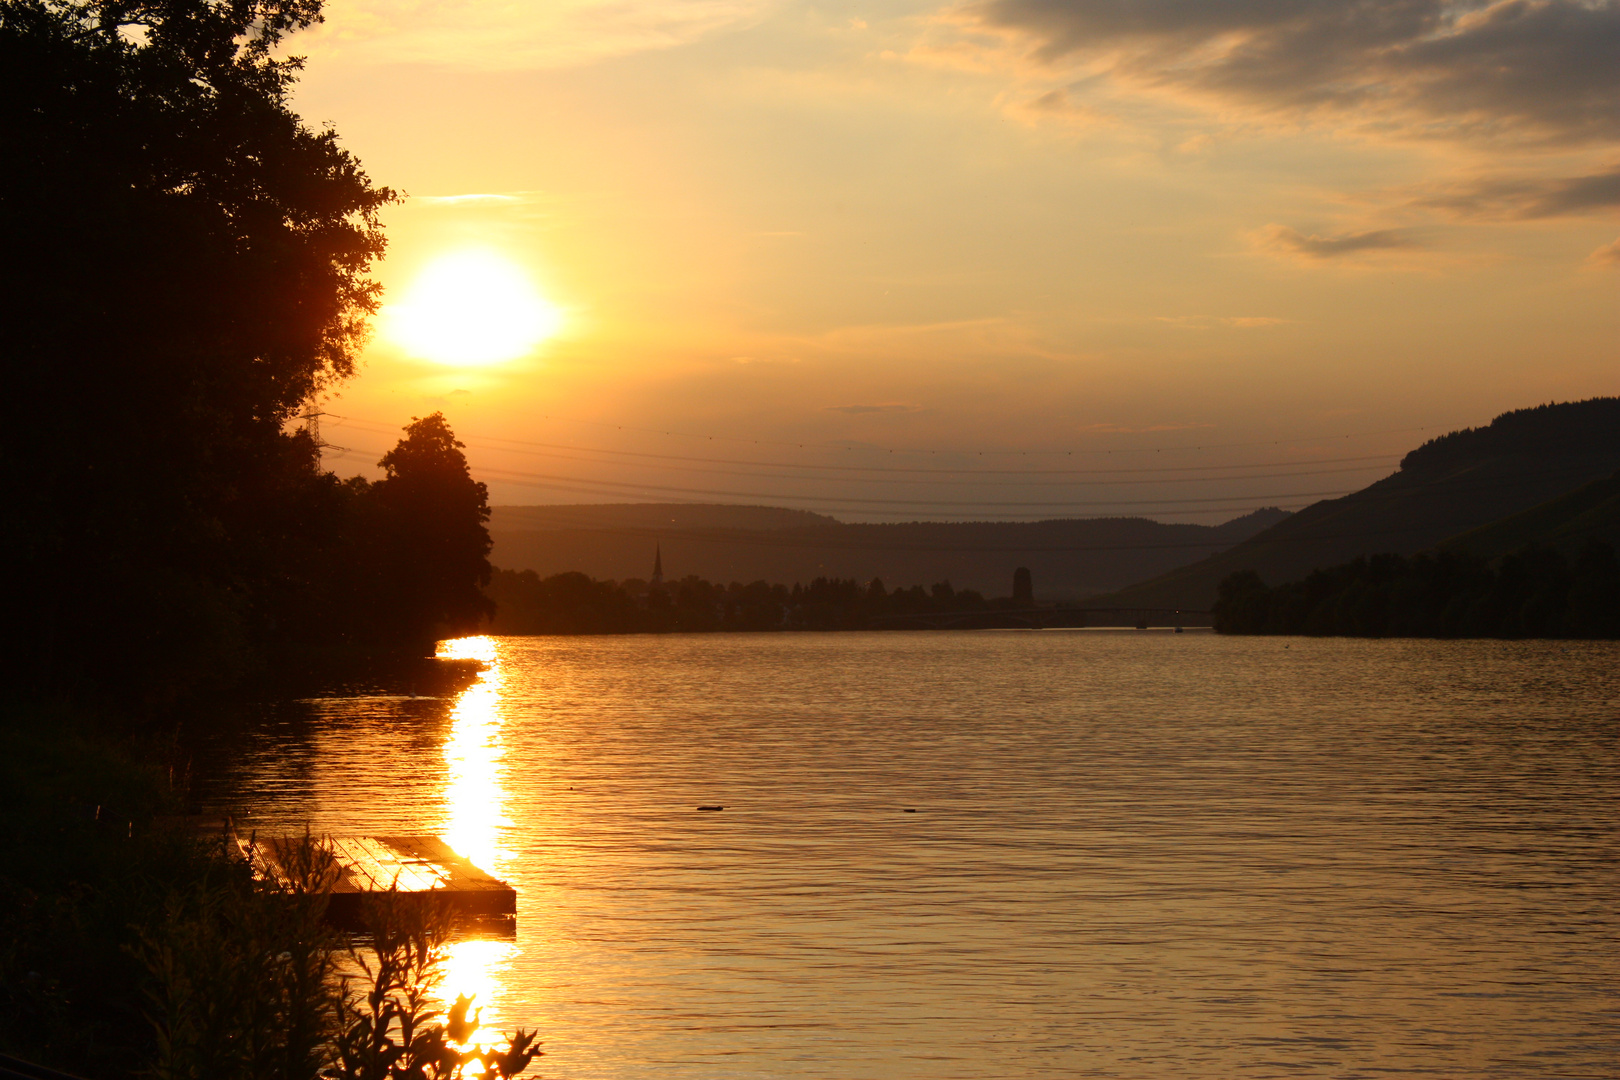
413,867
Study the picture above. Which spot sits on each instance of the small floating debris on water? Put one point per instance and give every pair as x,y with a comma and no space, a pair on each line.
711,808
909,810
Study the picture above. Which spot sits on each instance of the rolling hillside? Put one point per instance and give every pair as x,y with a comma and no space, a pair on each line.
1566,523
1449,486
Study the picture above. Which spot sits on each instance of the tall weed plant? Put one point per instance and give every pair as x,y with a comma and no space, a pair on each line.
249,981
391,1028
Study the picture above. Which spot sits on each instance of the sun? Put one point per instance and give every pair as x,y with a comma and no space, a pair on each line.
471,307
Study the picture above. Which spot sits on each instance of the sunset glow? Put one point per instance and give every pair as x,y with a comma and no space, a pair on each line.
469,308
976,228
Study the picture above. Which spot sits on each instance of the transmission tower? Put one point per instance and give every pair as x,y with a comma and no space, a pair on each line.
312,426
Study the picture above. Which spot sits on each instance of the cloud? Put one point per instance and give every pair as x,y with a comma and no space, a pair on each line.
1606,256
1524,199
1283,240
1056,104
1235,322
861,410
483,34
1539,70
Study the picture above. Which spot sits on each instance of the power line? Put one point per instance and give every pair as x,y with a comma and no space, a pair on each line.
829,504
593,486
913,450
542,479
958,452
772,539
660,460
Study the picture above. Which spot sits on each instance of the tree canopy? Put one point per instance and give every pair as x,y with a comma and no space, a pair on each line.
191,267
433,542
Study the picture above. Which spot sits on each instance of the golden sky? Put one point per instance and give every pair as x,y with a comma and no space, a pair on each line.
1061,234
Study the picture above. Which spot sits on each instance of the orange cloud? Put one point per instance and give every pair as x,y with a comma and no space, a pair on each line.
1606,256
1282,240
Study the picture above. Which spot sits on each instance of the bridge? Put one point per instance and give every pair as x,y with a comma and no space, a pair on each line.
1039,618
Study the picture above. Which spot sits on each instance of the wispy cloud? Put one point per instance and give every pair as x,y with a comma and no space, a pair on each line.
1536,70
1607,256
485,35
1526,198
1057,104
1282,240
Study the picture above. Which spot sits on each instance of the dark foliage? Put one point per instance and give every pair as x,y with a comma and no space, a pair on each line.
1533,593
392,565
388,1025
573,603
80,864
190,267
1570,428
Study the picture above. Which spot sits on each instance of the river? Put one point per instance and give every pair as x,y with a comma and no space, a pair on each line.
1006,854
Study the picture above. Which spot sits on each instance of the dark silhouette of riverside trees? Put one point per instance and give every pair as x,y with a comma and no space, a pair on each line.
188,266
428,539
572,603
1532,593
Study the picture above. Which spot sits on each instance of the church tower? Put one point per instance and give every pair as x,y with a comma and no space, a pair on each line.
658,565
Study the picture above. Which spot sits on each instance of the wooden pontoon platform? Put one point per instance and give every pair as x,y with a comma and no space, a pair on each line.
415,867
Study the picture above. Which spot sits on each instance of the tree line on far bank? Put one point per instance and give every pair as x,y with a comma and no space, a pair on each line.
572,603
1535,592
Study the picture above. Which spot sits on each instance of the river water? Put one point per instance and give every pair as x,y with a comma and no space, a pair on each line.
1132,854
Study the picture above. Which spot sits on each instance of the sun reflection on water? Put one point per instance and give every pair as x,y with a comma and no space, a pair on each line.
475,804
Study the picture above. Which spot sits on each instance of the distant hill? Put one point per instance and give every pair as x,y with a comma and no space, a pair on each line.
658,516
1448,486
1566,523
1068,558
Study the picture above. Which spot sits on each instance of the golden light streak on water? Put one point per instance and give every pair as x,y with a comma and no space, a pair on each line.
473,756
475,799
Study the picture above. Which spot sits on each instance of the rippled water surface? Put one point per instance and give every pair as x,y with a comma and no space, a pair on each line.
1133,854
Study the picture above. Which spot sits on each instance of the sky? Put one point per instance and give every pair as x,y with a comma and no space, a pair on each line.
1001,259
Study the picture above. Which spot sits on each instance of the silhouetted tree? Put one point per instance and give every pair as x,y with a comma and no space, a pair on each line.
575,604
426,538
188,266
1533,592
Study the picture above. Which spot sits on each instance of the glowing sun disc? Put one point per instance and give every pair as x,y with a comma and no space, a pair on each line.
471,307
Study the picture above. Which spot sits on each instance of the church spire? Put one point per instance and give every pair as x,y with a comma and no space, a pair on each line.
658,565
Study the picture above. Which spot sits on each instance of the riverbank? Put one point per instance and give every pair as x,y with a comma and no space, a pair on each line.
89,855
108,882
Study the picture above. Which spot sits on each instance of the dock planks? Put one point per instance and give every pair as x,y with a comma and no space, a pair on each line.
416,867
